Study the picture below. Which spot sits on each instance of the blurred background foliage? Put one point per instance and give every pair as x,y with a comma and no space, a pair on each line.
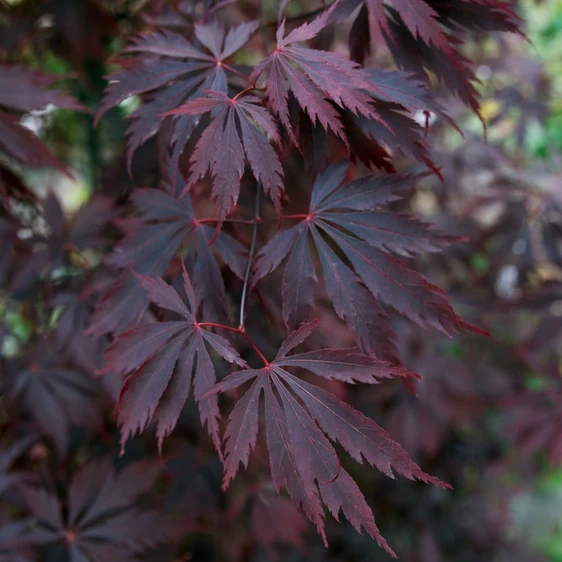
510,188
521,85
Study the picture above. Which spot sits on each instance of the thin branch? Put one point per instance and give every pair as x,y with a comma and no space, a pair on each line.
232,221
251,255
234,71
217,325
300,216
259,220
240,330
254,346
244,91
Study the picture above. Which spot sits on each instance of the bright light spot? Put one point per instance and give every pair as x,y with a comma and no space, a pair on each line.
519,246
506,282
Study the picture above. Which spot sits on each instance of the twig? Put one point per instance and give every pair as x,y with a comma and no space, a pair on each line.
251,255
240,330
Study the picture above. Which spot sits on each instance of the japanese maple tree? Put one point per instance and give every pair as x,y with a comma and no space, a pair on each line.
272,219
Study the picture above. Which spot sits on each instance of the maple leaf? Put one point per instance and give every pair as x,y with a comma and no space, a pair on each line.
413,55
7,457
421,423
548,332
195,482
74,318
419,34
161,357
302,459
222,149
477,15
9,243
536,417
429,20
28,90
171,69
122,305
275,522
165,223
14,546
403,89
56,397
100,520
63,239
420,19
400,100
317,79
350,215
153,238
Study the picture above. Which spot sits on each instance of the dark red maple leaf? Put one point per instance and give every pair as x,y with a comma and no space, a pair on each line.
418,15
172,70
30,90
423,35
443,401
454,71
9,242
14,545
65,240
8,456
302,459
122,305
26,90
364,234
400,101
161,357
56,396
272,521
275,521
166,221
99,520
477,15
317,79
542,347
222,149
74,318
195,483
536,420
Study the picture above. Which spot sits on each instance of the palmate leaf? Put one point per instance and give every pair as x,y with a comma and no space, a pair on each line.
26,90
400,100
350,215
536,417
317,79
222,149
14,546
74,318
431,20
423,34
57,397
275,521
100,521
166,222
30,90
171,70
7,457
161,358
299,415
419,17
